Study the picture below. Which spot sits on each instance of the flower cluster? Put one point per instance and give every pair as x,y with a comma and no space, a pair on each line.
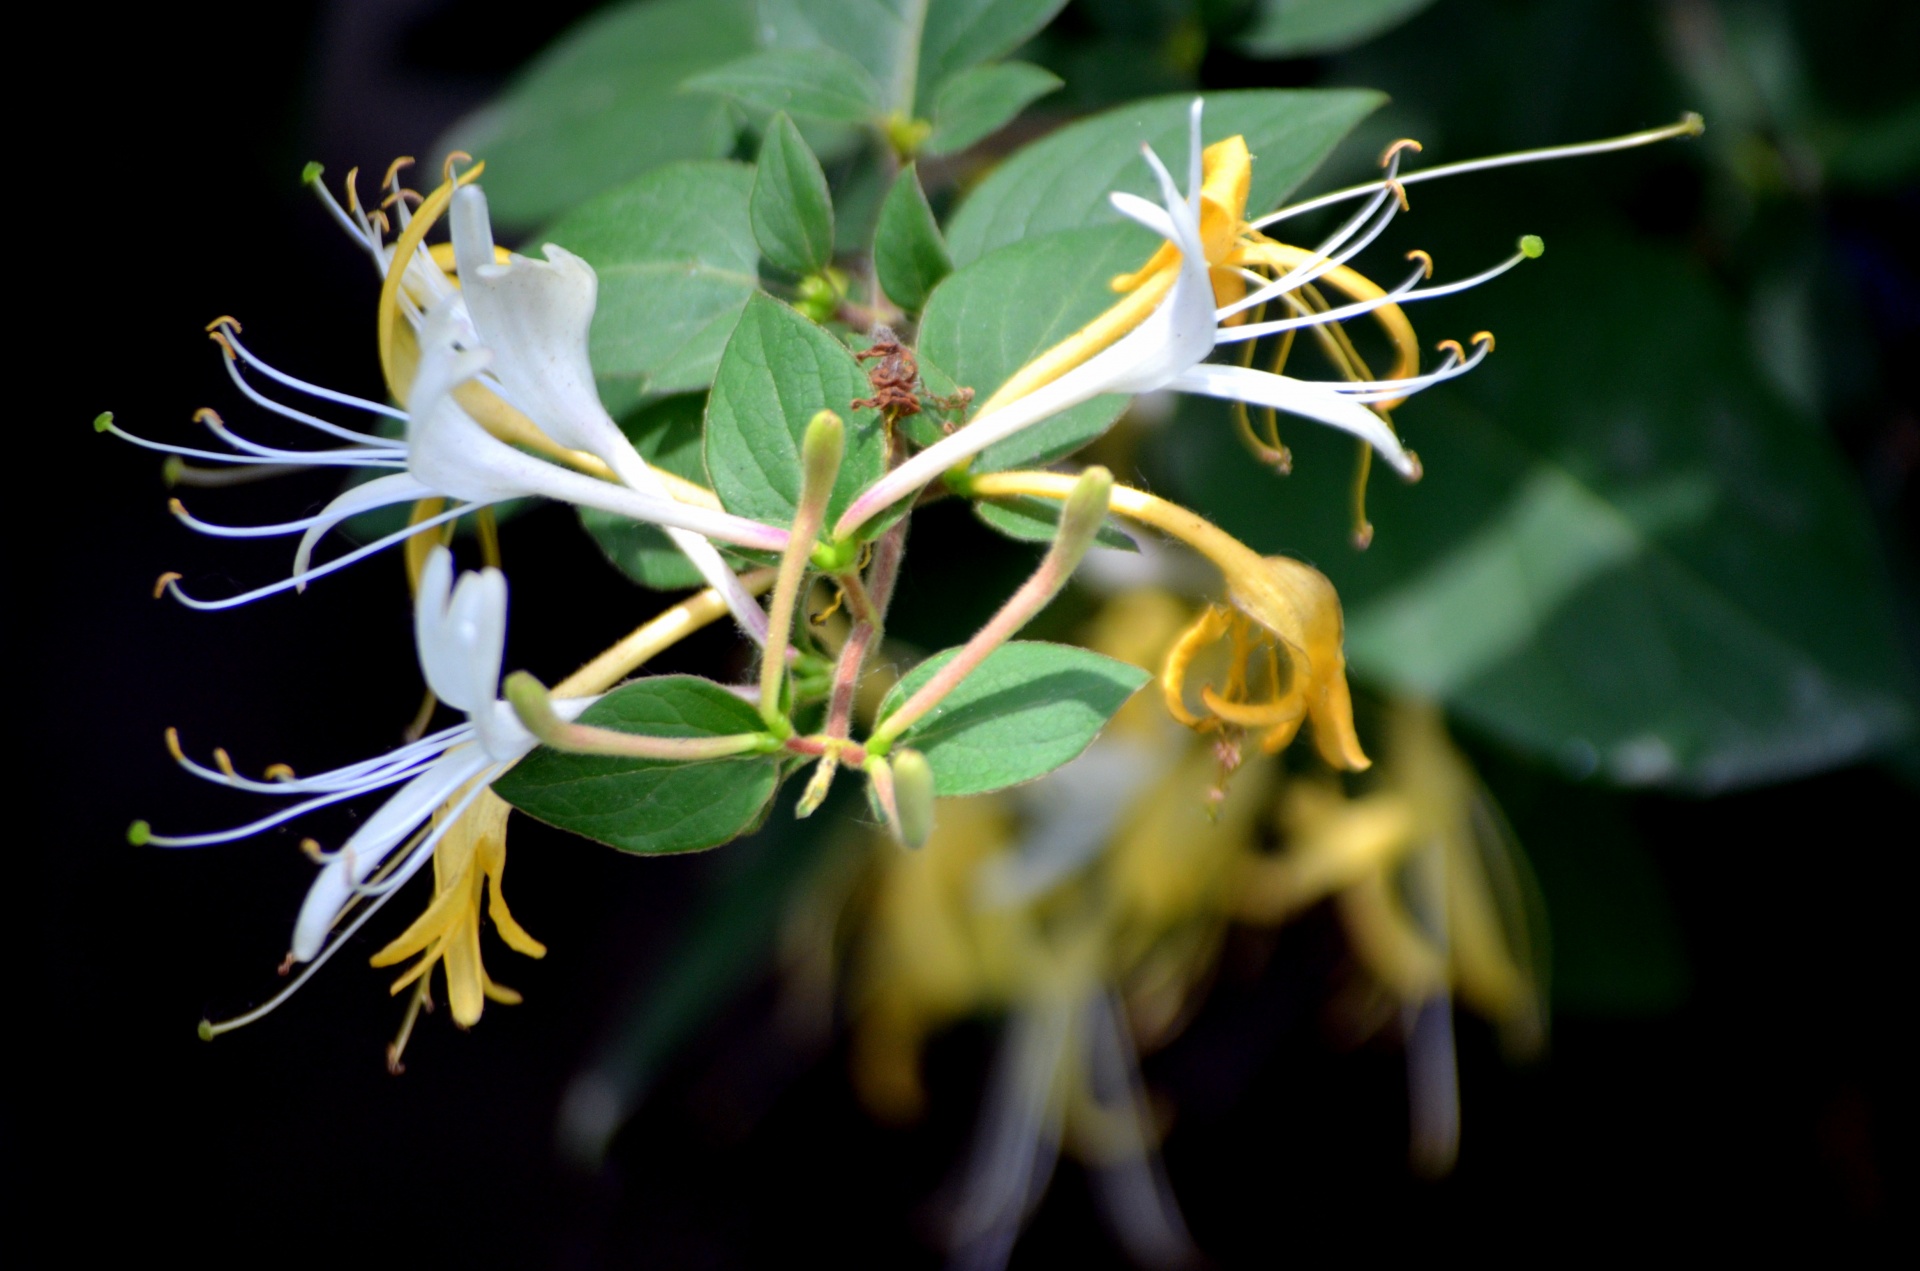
493,398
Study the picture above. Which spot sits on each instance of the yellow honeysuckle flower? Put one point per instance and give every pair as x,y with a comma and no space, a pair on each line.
469,861
1465,931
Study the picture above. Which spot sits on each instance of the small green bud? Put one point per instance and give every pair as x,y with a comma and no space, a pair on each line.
1081,518
139,833
820,452
913,796
205,1030
1532,247
103,421
310,173
836,557
906,134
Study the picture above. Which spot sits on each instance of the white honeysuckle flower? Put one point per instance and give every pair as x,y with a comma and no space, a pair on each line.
1127,350
460,631
534,316
446,454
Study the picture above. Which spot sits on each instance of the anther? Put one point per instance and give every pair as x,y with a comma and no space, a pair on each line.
219,337
399,196
224,762
1405,143
393,170
353,189
379,218
279,772
286,964
1424,258
1453,347
165,581
311,849
457,156
208,415
1399,192
178,508
173,746
1417,471
225,320
1484,337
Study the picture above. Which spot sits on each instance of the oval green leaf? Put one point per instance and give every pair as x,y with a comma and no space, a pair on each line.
647,806
1062,181
1025,710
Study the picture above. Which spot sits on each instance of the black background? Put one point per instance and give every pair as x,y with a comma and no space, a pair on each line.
157,188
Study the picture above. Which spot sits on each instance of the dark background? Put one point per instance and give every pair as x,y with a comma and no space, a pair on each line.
1747,1087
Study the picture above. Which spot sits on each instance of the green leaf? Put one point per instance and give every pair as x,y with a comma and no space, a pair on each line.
791,209
676,258
1036,520
778,372
1062,181
1626,556
602,105
819,83
1025,710
907,47
1300,28
909,255
963,33
982,99
667,434
647,806
992,317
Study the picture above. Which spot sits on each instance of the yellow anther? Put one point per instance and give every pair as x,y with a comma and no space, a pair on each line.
353,190
1453,347
224,762
401,195
1484,337
379,218
393,171
312,850
208,413
457,156
279,772
1426,260
176,507
166,580
1399,192
1405,143
225,320
173,746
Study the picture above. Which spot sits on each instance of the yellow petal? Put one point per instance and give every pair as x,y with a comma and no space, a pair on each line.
1209,627
1297,603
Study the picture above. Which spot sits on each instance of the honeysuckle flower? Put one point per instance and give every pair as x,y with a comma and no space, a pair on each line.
1285,663
1189,297
1433,897
460,634
446,454
1194,295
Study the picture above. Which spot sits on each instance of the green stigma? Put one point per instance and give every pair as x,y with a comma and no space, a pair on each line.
103,421
1532,247
205,1030
138,833
310,173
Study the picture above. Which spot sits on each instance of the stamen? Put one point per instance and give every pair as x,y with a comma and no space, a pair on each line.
1425,258
165,581
1362,527
311,849
1690,125
392,179
401,197
1399,192
1484,337
453,157
1452,349
169,582
173,745
225,320
315,390
177,471
280,772
1393,151
225,763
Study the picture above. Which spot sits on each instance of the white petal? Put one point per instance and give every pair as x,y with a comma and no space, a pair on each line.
1297,397
386,829
399,487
